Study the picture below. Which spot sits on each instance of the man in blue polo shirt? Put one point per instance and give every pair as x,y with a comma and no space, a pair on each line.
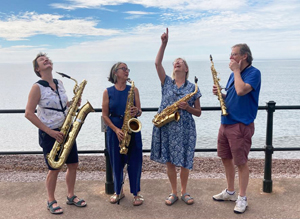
237,128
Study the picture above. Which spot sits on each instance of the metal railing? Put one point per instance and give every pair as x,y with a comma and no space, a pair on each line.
268,149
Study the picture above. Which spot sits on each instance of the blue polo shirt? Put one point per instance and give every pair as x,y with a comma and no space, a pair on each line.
242,109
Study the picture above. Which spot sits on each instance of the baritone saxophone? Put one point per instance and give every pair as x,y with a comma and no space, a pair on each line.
70,128
219,93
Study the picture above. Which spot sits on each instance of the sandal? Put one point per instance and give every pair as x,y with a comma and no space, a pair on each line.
77,204
53,210
186,197
172,198
116,198
138,200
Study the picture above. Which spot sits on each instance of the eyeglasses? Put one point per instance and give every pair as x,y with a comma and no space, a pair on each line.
179,62
124,69
233,54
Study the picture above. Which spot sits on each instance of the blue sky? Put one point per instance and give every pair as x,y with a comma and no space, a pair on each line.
130,30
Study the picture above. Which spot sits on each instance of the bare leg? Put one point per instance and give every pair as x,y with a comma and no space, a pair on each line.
171,171
51,185
184,175
243,178
71,179
230,173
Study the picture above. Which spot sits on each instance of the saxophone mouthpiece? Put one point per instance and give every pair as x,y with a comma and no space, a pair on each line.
63,75
196,80
210,58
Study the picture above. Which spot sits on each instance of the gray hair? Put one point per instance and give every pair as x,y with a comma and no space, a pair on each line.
244,49
112,76
187,73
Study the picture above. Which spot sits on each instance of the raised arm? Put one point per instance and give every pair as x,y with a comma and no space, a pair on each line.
158,61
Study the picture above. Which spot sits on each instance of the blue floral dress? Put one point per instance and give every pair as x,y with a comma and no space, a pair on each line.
175,142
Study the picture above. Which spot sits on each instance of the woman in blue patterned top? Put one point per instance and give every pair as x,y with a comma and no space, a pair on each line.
174,143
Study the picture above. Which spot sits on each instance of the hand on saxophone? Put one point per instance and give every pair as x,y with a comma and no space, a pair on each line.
183,105
215,90
69,103
120,134
134,111
58,136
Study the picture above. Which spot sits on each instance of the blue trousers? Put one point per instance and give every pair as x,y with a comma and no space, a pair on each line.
133,159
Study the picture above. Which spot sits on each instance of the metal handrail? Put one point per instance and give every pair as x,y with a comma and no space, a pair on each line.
154,109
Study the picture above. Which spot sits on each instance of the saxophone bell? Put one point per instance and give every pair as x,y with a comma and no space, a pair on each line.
168,118
134,125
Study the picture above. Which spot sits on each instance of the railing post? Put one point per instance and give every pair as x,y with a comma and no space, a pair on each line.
267,183
109,184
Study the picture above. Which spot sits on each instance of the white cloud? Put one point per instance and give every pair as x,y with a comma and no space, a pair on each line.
165,4
271,31
23,26
139,12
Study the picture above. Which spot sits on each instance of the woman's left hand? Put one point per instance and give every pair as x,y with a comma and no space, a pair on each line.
133,111
71,102
183,105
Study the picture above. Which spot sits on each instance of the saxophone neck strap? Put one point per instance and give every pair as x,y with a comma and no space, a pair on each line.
46,84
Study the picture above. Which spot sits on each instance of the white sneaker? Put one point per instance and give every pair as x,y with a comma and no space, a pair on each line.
224,196
241,205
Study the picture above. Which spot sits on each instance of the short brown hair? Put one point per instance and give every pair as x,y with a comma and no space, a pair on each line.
35,64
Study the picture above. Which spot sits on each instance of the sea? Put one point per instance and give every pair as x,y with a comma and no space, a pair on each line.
280,83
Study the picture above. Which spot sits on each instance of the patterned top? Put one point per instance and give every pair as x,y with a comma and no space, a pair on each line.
175,142
49,98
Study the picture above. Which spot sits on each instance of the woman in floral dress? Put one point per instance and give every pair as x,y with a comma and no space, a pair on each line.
173,144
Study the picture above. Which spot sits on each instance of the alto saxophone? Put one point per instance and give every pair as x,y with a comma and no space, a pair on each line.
216,82
130,124
171,113
70,127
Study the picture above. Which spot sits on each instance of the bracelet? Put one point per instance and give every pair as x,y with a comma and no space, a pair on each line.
139,113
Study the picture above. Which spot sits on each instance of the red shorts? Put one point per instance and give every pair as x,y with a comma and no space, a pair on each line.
234,142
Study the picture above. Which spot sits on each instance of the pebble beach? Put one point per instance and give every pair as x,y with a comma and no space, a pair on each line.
31,168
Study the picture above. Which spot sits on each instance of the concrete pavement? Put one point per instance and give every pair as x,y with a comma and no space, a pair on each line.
28,200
